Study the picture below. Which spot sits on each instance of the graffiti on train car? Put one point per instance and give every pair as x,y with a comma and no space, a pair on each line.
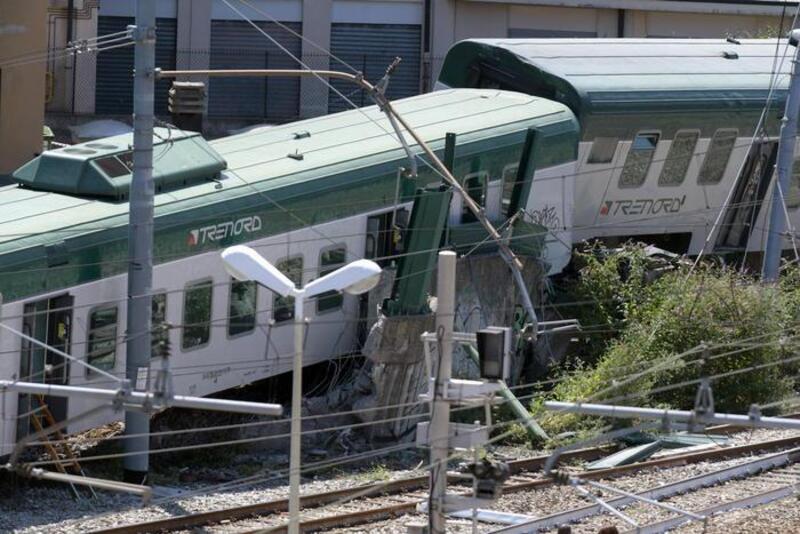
215,374
643,206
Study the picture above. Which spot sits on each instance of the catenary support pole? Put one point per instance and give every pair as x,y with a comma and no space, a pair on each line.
753,419
440,415
140,237
142,400
296,426
788,136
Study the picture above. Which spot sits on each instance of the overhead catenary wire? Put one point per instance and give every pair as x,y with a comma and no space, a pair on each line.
229,486
94,227
700,351
90,45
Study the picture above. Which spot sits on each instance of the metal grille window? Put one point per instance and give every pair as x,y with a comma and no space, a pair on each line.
159,335
197,314
678,158
329,261
717,157
283,307
370,48
114,85
101,350
603,150
639,159
242,307
235,44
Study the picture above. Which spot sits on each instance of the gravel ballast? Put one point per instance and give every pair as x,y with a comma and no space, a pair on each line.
51,509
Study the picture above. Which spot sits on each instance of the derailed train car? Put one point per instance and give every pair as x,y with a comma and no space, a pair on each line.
669,128
309,196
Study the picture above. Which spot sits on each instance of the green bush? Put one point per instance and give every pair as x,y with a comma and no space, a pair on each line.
662,322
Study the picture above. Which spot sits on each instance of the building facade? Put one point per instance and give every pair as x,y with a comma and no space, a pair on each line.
362,35
22,81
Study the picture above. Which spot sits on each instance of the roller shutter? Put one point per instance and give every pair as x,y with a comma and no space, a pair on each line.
237,45
370,48
114,85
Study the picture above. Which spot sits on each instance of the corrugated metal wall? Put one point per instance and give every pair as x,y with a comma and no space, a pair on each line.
237,45
370,48
114,87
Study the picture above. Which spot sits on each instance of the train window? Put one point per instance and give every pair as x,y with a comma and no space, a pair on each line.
638,161
101,349
283,307
717,156
329,261
113,167
196,314
509,181
475,186
159,333
603,150
679,157
242,307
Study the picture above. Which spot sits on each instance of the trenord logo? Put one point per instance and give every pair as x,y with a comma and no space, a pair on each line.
218,232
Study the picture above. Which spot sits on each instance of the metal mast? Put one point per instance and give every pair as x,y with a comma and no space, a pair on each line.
140,239
440,414
777,215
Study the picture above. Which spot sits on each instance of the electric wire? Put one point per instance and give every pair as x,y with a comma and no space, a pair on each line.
700,351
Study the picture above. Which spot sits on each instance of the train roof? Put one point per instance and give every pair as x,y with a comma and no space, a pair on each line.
275,164
600,76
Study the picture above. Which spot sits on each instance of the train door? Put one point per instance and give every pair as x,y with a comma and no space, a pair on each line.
384,242
49,321
748,197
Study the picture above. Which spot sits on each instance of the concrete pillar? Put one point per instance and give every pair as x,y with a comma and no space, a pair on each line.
635,23
443,35
607,22
317,29
85,65
194,34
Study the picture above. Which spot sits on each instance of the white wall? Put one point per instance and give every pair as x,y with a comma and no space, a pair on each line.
282,10
378,12
127,8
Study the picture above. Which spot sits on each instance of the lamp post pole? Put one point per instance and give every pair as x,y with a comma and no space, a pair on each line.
244,263
296,425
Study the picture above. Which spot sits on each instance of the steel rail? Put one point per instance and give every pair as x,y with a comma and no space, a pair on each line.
410,484
321,499
746,502
744,470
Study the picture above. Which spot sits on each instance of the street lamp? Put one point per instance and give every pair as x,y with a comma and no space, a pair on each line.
244,263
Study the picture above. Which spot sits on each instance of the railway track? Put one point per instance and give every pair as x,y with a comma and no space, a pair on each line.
399,497
776,470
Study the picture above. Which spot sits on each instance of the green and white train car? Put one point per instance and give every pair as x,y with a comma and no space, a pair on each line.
666,128
307,195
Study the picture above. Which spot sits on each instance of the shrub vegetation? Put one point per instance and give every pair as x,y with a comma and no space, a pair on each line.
647,330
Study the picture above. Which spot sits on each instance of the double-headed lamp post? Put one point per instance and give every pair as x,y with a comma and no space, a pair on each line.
244,263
